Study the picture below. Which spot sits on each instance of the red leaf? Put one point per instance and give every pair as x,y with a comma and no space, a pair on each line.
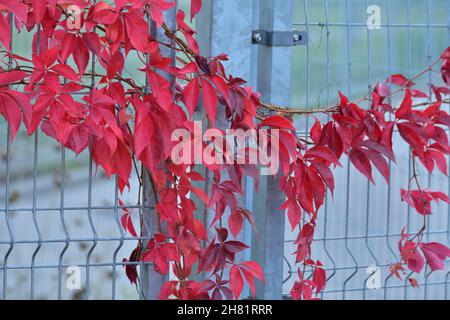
379,148
92,41
440,160
189,35
397,270
9,77
380,163
406,107
236,281
191,95
234,246
319,277
410,255
326,175
39,8
251,281
127,224
65,71
413,134
161,264
142,135
131,272
223,88
435,253
440,196
137,30
115,65
413,282
39,111
222,234
50,56
5,32
418,94
362,163
14,106
156,14
68,45
343,99
195,176
255,269
81,56
170,251
235,223
17,7
316,132
277,122
196,6
131,269
168,289
322,153
11,112
400,80
210,100
294,213
78,140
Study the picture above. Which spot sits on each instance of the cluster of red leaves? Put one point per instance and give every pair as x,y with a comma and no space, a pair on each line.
119,121
433,253
304,288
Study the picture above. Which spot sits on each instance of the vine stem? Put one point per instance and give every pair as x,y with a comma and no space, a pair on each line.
415,177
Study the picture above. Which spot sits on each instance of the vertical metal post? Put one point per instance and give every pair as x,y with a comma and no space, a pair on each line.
274,83
152,281
225,26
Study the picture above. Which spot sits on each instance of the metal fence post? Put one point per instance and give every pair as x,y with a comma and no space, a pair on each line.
274,83
225,26
152,281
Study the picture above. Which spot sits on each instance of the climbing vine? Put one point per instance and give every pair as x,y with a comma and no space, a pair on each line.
125,124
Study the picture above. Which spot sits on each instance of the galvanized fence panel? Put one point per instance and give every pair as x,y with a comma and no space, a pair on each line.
360,226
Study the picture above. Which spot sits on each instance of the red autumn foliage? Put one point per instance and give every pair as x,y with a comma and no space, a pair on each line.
127,123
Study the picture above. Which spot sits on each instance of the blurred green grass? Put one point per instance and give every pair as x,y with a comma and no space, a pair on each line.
361,57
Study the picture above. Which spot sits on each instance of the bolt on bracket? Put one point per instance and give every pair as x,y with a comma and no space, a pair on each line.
279,38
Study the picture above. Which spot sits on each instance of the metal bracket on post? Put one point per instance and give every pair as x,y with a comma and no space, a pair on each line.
279,38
